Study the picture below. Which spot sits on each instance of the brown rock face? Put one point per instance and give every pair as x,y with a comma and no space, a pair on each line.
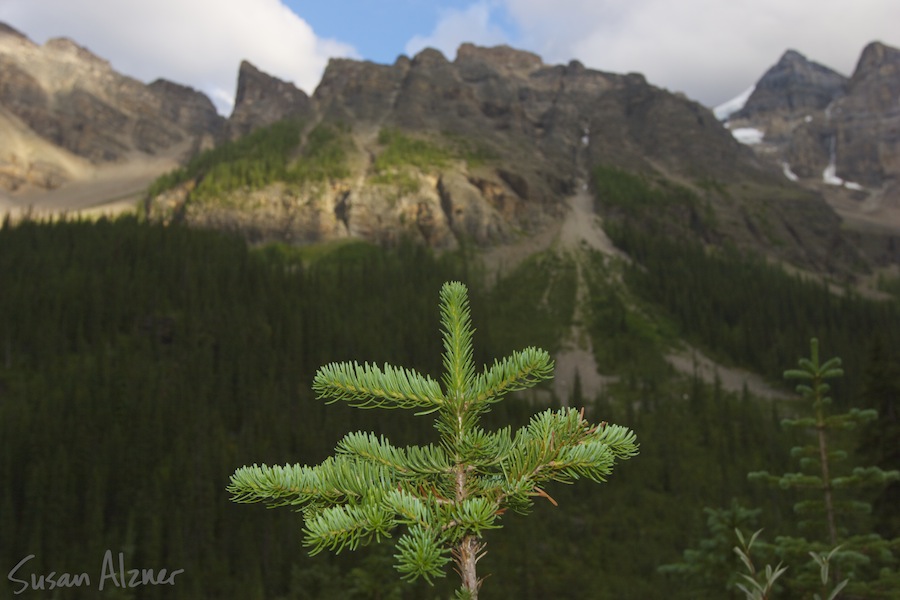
553,122
875,85
359,92
262,100
186,107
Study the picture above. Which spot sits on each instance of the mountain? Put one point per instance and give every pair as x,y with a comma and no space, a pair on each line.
835,135
490,148
72,116
493,147
795,84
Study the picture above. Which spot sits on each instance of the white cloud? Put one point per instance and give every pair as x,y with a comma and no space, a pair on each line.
709,49
457,26
193,42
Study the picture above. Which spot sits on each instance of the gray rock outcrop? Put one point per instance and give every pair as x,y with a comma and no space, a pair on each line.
262,100
793,85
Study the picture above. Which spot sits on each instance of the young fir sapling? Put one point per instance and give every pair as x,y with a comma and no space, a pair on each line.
440,498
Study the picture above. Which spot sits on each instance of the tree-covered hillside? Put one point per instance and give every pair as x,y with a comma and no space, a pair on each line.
140,364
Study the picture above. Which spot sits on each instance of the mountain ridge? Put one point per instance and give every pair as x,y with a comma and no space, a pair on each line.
545,128
510,140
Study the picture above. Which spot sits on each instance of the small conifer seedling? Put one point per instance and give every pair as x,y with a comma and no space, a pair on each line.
439,498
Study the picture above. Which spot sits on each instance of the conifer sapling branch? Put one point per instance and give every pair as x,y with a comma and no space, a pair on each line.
441,497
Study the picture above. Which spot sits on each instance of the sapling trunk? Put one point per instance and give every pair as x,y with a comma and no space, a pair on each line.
466,555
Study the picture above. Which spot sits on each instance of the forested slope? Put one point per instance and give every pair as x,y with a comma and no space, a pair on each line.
141,364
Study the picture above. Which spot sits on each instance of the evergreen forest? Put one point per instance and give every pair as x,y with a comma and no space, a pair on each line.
141,363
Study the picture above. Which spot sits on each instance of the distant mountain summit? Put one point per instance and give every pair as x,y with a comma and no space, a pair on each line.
794,84
836,135
866,124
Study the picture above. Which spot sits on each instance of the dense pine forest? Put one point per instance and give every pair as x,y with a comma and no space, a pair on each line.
140,364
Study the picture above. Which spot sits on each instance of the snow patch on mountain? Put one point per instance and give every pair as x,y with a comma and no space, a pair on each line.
829,175
748,135
786,169
726,109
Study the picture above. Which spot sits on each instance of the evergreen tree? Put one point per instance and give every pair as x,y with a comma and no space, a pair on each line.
445,496
831,510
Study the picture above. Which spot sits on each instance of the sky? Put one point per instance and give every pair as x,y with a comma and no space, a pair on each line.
710,50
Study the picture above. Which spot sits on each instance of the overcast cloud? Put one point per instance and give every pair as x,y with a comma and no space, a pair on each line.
709,49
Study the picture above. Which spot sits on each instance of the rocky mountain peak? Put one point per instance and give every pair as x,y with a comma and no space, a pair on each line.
833,135
794,84
262,99
875,57
875,85
187,107
360,91
429,58
12,40
515,138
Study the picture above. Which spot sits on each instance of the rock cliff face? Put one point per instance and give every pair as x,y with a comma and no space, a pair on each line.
552,115
262,100
867,120
187,108
75,101
855,139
